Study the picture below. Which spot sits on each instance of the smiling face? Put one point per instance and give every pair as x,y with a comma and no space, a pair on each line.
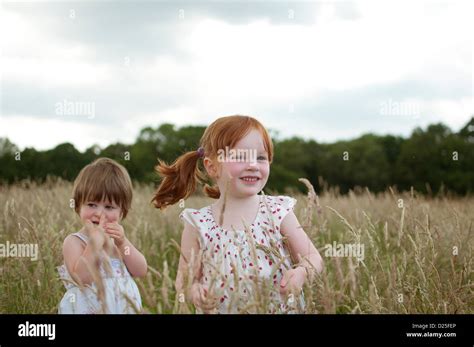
245,168
92,210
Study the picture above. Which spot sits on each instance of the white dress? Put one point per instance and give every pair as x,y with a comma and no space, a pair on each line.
237,274
121,291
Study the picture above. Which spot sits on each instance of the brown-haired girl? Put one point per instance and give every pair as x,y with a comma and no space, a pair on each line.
246,252
99,261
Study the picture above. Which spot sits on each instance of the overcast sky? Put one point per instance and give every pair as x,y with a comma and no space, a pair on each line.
98,72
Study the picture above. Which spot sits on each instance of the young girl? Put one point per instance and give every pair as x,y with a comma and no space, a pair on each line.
246,252
99,261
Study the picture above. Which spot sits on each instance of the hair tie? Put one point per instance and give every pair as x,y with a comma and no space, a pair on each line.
200,152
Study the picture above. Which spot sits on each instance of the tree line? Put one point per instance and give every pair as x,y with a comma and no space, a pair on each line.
430,160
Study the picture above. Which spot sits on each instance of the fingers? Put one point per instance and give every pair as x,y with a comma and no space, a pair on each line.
209,309
116,232
204,301
114,236
112,231
113,227
209,304
102,220
286,278
202,294
284,284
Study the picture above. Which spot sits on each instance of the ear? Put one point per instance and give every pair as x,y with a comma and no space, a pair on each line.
212,167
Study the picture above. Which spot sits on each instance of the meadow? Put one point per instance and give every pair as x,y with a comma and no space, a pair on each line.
418,250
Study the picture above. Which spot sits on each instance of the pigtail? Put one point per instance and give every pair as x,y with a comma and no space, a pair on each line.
212,191
178,179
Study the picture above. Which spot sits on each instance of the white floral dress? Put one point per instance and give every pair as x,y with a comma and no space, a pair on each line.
121,291
243,268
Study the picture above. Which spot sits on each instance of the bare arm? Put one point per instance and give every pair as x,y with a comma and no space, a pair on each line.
133,259
301,247
189,262
80,260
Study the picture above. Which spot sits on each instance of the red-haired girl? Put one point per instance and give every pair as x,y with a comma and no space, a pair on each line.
247,252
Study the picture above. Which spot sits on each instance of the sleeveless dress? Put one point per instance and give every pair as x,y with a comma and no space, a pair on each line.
244,268
121,291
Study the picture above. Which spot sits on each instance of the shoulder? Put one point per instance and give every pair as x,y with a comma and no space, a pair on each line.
193,216
278,207
195,226
280,202
73,247
73,241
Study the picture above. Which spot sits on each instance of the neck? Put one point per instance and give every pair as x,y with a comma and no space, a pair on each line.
236,202
233,203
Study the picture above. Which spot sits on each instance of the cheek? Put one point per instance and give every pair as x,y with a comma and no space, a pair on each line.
113,216
233,169
85,213
265,170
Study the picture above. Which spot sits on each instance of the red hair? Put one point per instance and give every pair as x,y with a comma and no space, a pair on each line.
180,178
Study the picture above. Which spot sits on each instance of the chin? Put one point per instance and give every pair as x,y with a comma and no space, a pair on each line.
249,192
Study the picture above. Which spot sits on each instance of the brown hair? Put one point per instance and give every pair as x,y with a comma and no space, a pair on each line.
180,178
103,179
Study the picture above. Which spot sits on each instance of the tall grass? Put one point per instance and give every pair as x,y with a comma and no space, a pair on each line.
418,250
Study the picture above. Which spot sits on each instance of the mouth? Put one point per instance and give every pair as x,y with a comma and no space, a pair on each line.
250,179
96,223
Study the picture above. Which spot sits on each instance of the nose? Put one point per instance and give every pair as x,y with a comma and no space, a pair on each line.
253,165
98,211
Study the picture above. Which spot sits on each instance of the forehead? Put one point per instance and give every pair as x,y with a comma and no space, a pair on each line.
253,139
100,199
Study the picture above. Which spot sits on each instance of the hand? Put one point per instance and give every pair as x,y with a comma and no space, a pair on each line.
293,281
115,231
201,299
96,233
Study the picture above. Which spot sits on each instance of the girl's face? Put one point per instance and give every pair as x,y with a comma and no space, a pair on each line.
245,171
92,210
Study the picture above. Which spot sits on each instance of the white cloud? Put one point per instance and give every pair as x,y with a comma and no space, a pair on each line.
456,113
33,55
262,63
246,68
42,134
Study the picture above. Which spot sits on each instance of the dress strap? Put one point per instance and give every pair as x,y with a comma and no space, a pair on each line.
84,238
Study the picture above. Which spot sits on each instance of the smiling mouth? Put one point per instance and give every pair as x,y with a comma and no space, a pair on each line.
250,179
96,223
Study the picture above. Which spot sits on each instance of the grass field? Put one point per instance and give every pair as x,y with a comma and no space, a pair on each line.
418,251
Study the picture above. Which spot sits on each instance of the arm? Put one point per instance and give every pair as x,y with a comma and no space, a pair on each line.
301,247
190,272
80,260
189,255
134,260
132,257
